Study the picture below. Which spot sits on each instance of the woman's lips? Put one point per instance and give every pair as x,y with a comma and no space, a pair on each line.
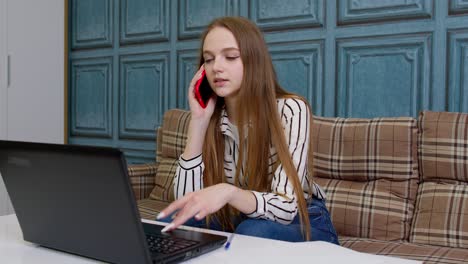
218,82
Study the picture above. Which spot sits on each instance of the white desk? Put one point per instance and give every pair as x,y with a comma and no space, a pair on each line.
244,249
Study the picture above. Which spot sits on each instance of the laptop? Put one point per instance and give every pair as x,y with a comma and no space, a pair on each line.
78,199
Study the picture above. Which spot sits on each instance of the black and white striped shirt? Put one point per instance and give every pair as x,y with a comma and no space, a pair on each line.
280,204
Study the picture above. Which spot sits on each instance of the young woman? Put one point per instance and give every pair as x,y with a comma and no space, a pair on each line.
246,158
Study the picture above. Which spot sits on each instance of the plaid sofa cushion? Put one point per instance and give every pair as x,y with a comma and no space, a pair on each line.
368,168
365,149
170,145
441,213
150,208
164,180
443,146
175,126
158,145
142,176
426,253
376,209
142,179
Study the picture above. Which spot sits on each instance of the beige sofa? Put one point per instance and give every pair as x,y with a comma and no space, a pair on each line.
395,186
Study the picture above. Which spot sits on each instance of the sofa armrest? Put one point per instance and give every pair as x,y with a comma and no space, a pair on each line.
142,179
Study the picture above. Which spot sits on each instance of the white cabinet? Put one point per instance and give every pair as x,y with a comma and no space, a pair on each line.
31,74
5,204
35,94
3,69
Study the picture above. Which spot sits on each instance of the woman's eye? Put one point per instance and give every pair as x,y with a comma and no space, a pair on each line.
208,60
232,57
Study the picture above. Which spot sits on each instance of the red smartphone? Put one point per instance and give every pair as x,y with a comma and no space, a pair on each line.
202,90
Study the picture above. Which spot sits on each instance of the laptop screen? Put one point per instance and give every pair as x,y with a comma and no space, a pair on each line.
75,199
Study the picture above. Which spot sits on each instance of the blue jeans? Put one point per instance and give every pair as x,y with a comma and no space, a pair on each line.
321,227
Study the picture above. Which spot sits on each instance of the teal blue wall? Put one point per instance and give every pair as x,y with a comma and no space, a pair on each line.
131,60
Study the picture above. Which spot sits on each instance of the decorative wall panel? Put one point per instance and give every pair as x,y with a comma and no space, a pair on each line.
458,71
187,66
92,23
143,80
90,108
383,77
364,11
195,15
276,14
458,6
299,68
144,21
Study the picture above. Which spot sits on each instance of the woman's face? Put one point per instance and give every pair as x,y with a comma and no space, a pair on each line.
223,64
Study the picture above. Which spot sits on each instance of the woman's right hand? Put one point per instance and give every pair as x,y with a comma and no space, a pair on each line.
199,121
199,113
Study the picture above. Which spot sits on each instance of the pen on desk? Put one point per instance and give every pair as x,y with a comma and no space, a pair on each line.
228,243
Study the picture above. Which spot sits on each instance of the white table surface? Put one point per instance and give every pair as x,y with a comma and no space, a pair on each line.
244,249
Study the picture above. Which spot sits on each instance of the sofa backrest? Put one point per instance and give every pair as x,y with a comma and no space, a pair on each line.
170,143
368,168
441,213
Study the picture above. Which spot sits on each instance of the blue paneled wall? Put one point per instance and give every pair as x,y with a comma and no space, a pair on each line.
131,60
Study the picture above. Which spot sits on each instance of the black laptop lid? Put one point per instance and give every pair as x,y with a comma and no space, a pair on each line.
65,198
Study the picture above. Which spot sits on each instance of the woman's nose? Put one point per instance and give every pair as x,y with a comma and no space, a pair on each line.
217,65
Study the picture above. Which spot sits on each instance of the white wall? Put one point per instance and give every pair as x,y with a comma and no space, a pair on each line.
32,107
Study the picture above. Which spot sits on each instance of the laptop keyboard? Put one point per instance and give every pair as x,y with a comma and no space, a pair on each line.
167,244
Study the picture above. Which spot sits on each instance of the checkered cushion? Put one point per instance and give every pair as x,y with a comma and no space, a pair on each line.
142,179
150,208
368,168
441,216
158,146
426,253
441,213
163,190
443,146
143,176
174,136
375,209
365,149
171,144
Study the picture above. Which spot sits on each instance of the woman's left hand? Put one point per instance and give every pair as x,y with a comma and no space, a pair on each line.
198,204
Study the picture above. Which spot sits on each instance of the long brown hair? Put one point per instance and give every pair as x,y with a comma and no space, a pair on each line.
264,128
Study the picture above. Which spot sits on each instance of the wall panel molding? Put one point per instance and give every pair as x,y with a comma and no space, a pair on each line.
144,21
91,93
299,68
366,11
143,83
195,15
391,72
280,14
458,71
187,66
458,7
134,155
92,23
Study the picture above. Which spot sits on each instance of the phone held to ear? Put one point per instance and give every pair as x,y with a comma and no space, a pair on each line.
202,90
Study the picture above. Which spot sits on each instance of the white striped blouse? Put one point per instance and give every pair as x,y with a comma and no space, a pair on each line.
280,204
